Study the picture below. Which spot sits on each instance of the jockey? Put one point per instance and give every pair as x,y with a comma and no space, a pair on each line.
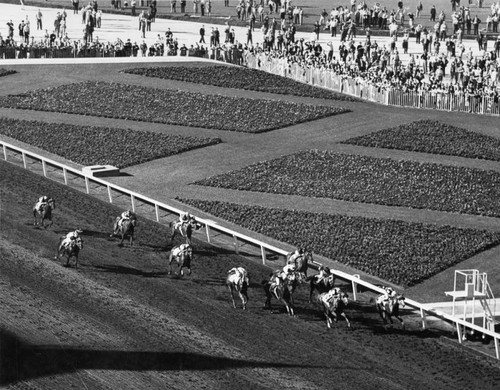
324,272
299,252
124,216
239,273
42,201
389,293
184,217
70,237
180,250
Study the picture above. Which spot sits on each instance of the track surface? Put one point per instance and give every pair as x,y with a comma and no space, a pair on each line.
120,321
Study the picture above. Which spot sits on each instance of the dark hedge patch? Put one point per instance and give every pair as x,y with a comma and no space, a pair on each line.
430,136
130,102
324,174
239,78
6,72
400,252
90,145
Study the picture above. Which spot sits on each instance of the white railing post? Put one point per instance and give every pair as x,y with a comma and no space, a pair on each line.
207,230
44,167
157,212
5,152
109,195
132,200
87,184
423,315
355,287
459,333
65,175
263,254
235,243
24,160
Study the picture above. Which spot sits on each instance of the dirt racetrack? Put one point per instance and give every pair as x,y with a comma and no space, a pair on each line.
120,322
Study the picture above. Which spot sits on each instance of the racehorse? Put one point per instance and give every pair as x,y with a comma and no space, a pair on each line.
388,307
301,263
321,283
182,255
71,250
334,303
44,213
127,227
282,289
237,280
185,229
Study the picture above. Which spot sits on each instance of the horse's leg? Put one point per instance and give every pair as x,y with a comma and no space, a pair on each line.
243,300
244,295
326,310
311,290
230,286
170,258
267,290
401,321
347,319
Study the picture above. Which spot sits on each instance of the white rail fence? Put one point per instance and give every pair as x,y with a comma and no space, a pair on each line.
12,151
362,89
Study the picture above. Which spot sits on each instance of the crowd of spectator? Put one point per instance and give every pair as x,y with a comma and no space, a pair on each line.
443,65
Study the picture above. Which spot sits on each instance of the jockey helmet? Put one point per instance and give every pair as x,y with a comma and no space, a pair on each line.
79,230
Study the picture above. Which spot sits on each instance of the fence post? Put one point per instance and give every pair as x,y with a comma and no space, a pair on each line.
109,194
207,230
355,287
5,152
157,212
263,253
132,200
87,186
24,160
44,167
424,318
235,242
65,175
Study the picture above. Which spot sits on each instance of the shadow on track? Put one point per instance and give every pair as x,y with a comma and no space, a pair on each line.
20,361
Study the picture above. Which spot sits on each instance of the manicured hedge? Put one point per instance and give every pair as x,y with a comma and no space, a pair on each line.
239,78
400,252
90,145
131,102
5,72
431,136
325,174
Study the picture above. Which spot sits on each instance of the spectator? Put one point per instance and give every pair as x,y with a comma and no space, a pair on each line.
39,20
433,13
